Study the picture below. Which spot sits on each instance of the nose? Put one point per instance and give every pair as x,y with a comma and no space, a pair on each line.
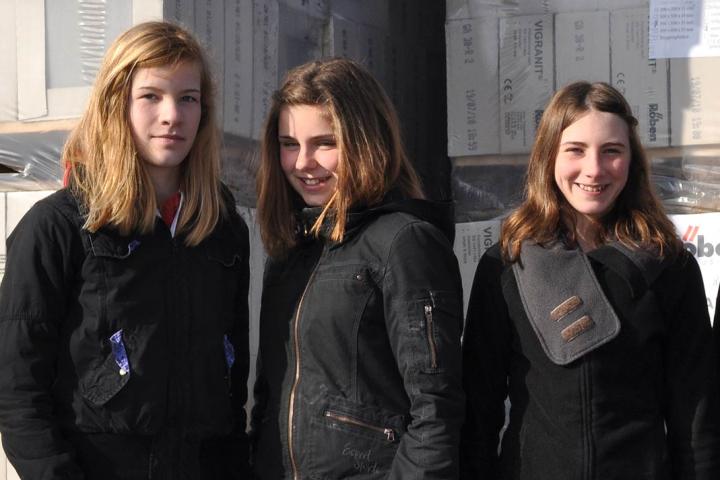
170,112
306,158
592,164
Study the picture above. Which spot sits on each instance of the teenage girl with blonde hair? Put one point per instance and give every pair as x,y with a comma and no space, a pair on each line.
123,309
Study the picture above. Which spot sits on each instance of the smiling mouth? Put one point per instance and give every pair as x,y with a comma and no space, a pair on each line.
313,181
591,188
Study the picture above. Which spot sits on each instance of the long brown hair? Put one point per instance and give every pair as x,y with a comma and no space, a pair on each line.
372,160
637,217
104,168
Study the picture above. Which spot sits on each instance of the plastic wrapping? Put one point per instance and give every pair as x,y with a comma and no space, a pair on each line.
688,183
483,192
685,183
31,161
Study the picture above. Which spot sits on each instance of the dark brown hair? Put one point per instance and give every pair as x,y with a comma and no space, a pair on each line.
372,160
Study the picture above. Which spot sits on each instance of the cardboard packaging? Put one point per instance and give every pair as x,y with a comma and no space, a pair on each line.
472,86
582,47
463,9
643,81
238,76
694,102
365,43
526,78
13,205
8,67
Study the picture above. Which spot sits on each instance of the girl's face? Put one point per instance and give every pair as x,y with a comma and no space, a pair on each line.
308,152
591,167
165,115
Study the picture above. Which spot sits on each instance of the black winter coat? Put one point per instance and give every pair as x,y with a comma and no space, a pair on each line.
604,416
359,362
70,408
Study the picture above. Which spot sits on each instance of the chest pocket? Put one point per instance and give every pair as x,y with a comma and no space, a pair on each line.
223,269
336,301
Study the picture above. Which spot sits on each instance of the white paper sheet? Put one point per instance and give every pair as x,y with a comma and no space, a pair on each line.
684,28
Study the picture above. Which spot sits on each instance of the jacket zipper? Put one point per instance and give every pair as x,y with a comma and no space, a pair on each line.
296,345
586,393
340,417
431,335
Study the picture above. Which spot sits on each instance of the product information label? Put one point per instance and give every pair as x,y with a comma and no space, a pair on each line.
684,28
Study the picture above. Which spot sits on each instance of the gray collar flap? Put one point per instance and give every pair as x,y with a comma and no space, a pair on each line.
564,302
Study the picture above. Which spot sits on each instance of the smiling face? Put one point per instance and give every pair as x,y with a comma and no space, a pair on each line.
164,116
308,152
592,163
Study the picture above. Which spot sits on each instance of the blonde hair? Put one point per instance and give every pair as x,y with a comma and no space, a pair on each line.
637,217
372,159
104,169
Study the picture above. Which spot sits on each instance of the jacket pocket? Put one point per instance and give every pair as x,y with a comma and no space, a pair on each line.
104,382
352,441
435,323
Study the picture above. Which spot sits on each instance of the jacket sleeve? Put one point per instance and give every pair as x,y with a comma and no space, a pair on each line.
236,450
422,297
39,276
486,351
716,333
692,414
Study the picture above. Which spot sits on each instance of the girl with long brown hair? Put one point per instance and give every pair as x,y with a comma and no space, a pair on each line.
359,360
589,317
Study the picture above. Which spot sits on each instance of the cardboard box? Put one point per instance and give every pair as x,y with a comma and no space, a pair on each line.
643,81
700,234
471,242
8,67
463,9
472,86
13,206
364,43
57,47
694,102
315,8
366,12
526,78
238,81
265,65
210,30
582,47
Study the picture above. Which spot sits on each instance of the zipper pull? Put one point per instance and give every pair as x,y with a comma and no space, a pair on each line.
389,434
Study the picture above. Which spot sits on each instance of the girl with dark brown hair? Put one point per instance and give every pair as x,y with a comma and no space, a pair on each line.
590,318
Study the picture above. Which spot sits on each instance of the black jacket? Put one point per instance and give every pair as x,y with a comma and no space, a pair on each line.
603,416
70,407
359,362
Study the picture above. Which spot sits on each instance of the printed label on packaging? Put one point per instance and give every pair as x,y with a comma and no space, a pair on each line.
526,78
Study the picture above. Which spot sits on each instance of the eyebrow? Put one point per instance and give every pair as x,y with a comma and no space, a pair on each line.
607,144
316,137
156,89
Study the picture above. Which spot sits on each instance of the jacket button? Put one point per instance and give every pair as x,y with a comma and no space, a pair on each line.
359,277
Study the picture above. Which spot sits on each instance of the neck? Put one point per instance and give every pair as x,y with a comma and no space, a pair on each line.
166,184
587,232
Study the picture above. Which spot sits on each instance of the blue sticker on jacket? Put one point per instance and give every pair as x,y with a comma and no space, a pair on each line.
229,352
119,352
133,245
